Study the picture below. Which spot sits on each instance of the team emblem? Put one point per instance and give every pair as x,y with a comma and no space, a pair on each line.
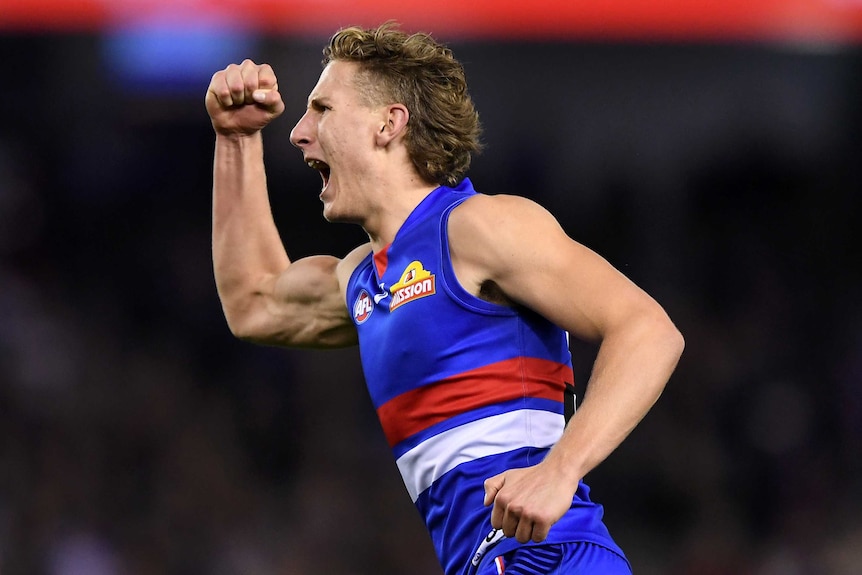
362,307
416,282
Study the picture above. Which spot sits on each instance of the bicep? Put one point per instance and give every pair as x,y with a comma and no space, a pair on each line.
301,307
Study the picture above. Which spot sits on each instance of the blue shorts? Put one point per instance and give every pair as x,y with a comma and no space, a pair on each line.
558,559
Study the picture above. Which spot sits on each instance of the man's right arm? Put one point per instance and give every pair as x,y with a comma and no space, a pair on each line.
266,298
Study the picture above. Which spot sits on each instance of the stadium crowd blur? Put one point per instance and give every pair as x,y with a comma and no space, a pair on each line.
138,437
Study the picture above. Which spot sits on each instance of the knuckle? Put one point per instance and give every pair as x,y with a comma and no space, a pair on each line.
221,89
236,86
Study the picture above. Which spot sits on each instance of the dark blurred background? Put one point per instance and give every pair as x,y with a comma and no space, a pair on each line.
719,169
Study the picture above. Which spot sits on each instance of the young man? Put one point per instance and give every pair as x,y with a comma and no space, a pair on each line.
461,303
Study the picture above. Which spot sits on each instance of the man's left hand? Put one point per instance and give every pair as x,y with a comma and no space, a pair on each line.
527,502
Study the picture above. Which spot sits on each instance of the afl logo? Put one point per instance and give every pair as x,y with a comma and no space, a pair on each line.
362,307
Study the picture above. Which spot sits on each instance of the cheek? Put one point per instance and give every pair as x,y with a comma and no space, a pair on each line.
351,144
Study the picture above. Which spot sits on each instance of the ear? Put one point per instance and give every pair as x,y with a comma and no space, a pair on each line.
393,125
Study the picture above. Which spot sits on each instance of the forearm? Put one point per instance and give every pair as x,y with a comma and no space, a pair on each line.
247,248
630,372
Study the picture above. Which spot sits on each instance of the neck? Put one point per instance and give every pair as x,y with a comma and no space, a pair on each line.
396,203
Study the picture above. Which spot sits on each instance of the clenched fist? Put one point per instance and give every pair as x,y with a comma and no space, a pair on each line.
243,98
528,501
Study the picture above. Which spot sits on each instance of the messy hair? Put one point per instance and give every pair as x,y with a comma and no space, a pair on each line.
413,69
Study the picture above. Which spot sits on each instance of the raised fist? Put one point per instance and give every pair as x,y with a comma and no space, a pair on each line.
243,98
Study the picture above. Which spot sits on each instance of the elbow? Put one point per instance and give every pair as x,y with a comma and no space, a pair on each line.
676,341
657,331
680,342
246,318
672,343
249,333
239,329
241,324
665,343
665,331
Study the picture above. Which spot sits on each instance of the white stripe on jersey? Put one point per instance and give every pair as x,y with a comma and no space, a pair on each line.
437,455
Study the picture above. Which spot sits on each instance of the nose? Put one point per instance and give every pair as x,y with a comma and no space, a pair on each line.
300,135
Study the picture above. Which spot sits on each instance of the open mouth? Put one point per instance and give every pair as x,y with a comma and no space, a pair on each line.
322,168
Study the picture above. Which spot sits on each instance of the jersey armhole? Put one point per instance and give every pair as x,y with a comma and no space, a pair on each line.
450,281
354,276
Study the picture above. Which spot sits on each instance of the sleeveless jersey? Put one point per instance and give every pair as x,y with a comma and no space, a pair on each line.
464,388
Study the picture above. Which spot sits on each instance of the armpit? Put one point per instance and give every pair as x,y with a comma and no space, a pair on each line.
491,292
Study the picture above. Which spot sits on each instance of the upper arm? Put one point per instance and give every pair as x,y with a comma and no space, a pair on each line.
304,306
519,246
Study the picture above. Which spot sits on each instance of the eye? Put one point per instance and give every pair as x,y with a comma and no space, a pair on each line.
320,107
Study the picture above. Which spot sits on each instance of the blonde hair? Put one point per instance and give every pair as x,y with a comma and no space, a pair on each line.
415,70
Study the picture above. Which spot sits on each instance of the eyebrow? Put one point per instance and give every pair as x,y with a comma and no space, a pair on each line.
318,102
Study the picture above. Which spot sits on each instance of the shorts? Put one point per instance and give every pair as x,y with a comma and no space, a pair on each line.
558,559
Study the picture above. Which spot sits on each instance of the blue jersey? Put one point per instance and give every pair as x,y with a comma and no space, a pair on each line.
464,389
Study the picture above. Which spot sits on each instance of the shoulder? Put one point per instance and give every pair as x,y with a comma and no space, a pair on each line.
513,212
350,262
499,224
498,203
495,239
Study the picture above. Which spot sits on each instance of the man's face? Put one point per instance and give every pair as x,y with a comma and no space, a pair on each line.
336,136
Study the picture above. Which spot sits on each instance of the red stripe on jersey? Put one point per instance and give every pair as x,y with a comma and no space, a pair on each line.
381,260
420,408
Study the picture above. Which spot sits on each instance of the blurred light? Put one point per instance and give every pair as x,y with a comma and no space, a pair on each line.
171,55
822,21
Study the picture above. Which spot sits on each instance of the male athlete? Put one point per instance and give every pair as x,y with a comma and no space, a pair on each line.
461,303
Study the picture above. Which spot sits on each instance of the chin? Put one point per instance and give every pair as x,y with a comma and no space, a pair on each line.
327,215
335,211
331,215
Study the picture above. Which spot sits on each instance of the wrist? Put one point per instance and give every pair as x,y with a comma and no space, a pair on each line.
237,137
564,466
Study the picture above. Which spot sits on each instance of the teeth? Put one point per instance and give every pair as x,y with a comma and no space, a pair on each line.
316,164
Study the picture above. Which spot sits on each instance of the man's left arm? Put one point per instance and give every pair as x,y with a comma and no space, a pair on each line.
521,248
